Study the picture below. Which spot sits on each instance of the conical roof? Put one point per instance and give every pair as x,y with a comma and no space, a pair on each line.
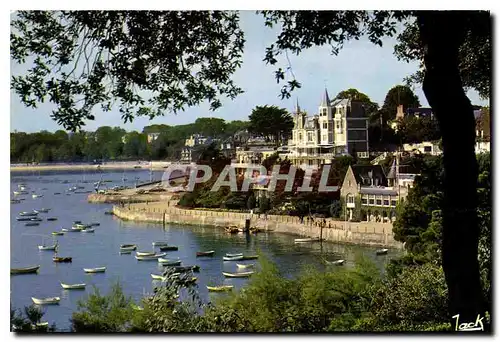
325,100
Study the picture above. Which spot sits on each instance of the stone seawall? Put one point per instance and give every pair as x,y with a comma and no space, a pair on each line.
359,233
134,198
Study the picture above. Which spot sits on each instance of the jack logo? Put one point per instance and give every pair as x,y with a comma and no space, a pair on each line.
471,326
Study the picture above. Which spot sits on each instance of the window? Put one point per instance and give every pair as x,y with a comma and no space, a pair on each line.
348,183
324,137
379,202
350,198
393,203
427,149
325,125
371,201
386,202
300,136
309,136
338,125
364,201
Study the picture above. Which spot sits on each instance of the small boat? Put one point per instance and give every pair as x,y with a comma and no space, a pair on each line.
180,269
73,286
157,277
207,253
94,224
245,266
382,251
20,193
77,222
25,270
150,257
234,254
306,240
145,253
221,288
62,259
65,230
88,230
15,201
169,248
235,258
51,218
36,219
36,196
160,244
47,248
32,224
75,229
238,275
43,210
166,262
57,233
80,226
46,301
95,270
57,193
128,248
27,213
40,325
336,262
250,257
23,218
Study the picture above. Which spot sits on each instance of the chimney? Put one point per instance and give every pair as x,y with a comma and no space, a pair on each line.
400,113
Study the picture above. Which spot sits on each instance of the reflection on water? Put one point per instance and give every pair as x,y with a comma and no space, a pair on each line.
102,247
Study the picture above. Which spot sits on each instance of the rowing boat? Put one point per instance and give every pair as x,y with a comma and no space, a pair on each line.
127,248
46,301
157,277
27,213
95,270
169,248
234,254
57,233
47,248
140,254
62,259
32,224
235,258
25,270
166,262
250,257
207,253
220,288
238,275
43,210
245,266
336,262
51,218
306,240
150,257
88,230
160,244
73,286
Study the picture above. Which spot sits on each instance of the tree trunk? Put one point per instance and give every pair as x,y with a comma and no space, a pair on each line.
442,32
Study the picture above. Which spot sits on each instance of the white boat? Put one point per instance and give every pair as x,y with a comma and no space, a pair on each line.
166,262
145,253
157,277
36,196
43,301
20,192
245,266
306,240
381,251
128,248
88,230
336,262
238,275
43,210
160,244
150,257
28,213
95,270
235,258
64,230
74,229
73,286
47,248
234,254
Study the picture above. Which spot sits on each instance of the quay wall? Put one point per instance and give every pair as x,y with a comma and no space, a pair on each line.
359,233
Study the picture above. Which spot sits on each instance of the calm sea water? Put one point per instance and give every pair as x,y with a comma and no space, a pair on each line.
102,247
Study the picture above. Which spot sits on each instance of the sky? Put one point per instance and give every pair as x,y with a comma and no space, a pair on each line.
371,69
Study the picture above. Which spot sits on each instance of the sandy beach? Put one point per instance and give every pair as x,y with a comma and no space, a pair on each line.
156,165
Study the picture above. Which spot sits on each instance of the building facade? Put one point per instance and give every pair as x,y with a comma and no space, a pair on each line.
340,128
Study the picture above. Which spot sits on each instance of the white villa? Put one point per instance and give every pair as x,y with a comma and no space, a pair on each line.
340,128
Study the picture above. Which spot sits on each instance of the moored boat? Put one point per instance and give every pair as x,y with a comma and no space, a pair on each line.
95,224
306,240
73,286
23,219
234,254
88,230
150,257
51,218
235,258
47,248
381,251
27,213
95,270
57,233
245,266
43,210
128,247
77,222
169,248
207,253
15,201
166,262
250,257
238,275
181,269
221,288
36,196
46,301
145,253
160,244
32,224
36,219
62,259
157,277
25,270
336,262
